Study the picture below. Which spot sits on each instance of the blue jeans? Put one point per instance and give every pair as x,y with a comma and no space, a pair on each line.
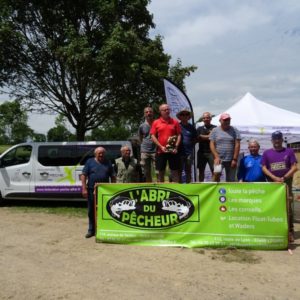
186,162
91,211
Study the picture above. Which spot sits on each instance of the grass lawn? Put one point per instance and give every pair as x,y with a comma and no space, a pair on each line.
3,148
71,209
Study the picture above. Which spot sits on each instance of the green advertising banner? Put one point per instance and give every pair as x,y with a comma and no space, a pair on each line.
243,215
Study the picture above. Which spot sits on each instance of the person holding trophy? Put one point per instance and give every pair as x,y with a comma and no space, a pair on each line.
166,134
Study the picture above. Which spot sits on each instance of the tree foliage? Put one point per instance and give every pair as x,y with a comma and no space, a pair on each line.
112,131
177,73
39,137
13,124
88,60
60,133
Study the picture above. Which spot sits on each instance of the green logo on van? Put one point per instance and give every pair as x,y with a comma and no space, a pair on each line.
68,175
149,207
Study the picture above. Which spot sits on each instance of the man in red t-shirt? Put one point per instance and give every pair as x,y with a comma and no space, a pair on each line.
164,130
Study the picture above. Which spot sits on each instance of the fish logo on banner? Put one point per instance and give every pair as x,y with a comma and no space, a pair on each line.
149,207
176,98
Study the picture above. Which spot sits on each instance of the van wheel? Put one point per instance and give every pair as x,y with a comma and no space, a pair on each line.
2,201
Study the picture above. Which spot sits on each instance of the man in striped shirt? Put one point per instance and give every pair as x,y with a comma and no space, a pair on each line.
225,147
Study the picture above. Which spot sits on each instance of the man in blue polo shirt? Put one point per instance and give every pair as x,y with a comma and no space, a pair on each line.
96,169
250,169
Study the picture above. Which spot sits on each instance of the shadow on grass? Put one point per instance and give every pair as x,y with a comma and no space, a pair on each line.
230,255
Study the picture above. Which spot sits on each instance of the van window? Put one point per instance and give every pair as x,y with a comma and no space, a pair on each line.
17,156
72,155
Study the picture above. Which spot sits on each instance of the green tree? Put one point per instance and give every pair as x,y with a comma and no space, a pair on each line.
59,133
39,137
89,60
13,123
111,132
177,73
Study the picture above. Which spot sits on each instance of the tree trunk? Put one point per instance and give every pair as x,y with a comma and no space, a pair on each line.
80,132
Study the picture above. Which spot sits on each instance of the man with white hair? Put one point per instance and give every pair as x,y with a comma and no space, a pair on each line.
96,169
127,167
250,169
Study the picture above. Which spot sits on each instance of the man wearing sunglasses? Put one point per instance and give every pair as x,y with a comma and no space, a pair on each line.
186,148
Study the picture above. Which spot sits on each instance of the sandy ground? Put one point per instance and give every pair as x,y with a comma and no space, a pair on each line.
44,256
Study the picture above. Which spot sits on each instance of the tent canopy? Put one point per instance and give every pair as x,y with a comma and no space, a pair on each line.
251,115
257,119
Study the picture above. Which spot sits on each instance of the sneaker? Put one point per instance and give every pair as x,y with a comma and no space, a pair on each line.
89,234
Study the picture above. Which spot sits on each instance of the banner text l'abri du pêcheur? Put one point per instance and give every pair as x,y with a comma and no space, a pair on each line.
242,215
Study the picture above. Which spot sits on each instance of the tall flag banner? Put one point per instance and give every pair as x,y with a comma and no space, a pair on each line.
176,99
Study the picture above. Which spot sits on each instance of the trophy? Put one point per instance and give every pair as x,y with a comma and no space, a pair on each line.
171,143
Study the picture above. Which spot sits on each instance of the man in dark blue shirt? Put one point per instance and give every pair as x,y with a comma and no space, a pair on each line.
204,155
96,169
186,148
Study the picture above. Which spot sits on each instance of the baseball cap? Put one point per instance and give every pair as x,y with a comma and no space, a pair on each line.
225,116
277,135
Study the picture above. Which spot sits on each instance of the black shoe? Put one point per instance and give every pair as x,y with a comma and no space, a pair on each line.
89,235
291,237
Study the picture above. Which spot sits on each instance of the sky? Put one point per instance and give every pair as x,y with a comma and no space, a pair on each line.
238,46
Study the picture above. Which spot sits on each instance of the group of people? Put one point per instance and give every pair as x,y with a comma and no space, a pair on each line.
169,141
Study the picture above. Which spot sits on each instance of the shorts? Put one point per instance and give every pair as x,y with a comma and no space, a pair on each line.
163,158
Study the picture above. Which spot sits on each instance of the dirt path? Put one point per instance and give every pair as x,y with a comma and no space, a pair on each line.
45,256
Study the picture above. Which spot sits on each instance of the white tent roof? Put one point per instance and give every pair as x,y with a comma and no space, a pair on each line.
253,116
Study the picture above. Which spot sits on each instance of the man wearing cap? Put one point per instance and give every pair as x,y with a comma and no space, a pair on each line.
164,130
279,164
225,143
186,148
204,155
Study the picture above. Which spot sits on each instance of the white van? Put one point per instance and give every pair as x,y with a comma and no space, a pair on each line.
48,170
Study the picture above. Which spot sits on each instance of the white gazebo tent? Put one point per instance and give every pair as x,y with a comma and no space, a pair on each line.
257,119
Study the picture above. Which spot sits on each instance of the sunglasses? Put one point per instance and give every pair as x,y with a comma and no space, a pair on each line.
185,114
